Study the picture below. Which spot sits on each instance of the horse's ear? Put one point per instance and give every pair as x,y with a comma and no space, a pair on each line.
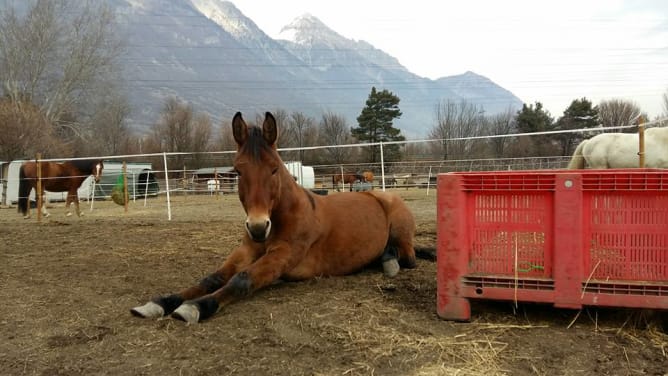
239,129
269,129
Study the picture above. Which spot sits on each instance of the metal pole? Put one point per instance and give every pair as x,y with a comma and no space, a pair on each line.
382,167
641,144
169,205
428,180
38,193
92,197
148,174
125,186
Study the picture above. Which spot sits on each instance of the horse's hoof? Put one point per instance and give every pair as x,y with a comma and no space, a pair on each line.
46,215
391,267
68,214
187,312
149,310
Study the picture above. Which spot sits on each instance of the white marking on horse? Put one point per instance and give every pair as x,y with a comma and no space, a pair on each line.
149,310
188,312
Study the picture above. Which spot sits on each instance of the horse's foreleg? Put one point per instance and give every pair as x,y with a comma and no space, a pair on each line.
76,205
165,305
45,213
266,270
72,198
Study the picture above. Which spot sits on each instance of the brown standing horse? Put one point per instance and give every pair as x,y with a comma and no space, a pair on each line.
292,233
346,178
56,177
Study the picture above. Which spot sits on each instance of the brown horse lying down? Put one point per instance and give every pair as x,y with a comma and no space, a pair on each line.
291,233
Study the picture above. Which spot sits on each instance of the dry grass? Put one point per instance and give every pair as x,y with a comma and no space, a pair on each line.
70,293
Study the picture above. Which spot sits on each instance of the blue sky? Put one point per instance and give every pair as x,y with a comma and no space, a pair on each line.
547,51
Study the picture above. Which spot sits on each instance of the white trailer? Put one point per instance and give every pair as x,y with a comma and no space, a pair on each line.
304,175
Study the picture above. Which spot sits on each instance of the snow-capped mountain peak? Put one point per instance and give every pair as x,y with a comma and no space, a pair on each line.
227,16
210,54
308,30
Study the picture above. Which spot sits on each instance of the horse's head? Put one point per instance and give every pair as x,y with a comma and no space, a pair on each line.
261,173
97,171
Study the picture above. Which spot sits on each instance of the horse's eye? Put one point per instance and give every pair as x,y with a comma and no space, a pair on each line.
274,171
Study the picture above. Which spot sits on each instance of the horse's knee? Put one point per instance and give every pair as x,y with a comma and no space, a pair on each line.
211,283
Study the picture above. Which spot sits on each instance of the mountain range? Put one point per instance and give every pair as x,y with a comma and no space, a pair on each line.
208,53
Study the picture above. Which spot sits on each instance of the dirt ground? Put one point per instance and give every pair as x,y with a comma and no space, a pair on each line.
68,284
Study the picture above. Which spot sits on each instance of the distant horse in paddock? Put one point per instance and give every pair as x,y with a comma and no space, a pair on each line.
351,179
56,177
346,178
406,181
291,233
368,177
213,186
620,150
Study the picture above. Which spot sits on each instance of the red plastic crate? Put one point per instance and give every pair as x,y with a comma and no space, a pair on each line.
566,237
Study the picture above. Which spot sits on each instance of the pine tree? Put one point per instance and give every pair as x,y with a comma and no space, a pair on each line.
580,114
532,119
375,125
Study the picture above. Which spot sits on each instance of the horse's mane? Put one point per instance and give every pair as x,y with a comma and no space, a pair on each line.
85,165
255,143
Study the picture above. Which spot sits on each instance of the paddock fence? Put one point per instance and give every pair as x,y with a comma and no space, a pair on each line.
162,175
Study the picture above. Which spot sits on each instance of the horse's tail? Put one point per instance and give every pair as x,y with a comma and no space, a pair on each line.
425,253
578,161
24,192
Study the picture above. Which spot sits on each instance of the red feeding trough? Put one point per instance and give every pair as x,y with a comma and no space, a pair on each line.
572,238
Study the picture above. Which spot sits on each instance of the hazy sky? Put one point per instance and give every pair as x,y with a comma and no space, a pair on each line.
546,51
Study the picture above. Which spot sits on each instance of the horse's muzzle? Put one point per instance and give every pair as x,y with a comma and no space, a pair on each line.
258,230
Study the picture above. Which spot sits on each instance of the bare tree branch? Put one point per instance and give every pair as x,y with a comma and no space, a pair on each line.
618,112
55,56
456,120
